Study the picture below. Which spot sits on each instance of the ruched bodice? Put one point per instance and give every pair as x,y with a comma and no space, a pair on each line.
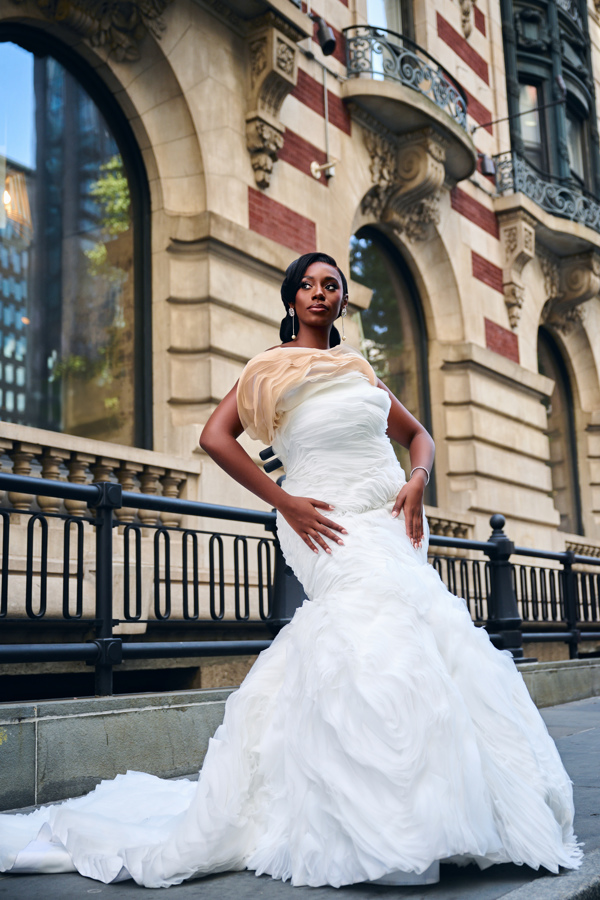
332,439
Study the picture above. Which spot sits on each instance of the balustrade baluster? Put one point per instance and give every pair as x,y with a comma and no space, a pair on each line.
78,466
149,481
22,455
51,462
126,474
171,486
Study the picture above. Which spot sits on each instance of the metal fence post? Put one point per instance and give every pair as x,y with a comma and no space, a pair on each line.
569,584
110,649
503,612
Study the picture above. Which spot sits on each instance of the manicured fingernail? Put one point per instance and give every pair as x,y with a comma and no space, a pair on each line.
332,507
394,514
328,551
341,542
344,531
315,550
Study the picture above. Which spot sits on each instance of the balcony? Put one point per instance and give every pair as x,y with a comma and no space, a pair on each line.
287,13
399,84
516,178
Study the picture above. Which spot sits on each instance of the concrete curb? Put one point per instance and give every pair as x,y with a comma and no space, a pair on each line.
578,884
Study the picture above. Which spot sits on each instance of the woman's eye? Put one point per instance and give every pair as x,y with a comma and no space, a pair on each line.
306,285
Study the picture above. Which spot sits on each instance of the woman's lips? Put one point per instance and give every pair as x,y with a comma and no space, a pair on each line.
318,308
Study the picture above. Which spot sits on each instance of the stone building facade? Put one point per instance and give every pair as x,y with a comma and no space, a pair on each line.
174,177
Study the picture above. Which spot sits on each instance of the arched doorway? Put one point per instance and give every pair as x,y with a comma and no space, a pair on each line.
392,329
561,434
74,245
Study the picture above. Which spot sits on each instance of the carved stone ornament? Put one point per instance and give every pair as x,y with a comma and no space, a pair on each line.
466,16
273,73
517,239
569,283
119,25
408,174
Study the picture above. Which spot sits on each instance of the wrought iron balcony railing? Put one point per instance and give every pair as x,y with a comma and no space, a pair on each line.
515,175
379,53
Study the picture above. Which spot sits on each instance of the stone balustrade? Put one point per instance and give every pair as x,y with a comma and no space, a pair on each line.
65,457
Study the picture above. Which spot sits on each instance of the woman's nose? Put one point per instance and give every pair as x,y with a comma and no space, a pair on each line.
318,291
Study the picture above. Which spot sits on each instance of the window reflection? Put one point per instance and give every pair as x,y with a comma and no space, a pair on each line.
66,257
530,98
393,337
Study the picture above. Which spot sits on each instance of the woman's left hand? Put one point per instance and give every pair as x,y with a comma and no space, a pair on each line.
410,499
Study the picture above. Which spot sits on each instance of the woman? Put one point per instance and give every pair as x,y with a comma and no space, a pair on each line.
381,732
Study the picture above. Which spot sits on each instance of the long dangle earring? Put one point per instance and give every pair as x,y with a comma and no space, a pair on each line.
343,317
293,315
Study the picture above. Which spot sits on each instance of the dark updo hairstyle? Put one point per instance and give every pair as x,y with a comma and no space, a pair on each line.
291,285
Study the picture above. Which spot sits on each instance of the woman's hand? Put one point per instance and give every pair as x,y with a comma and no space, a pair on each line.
410,499
302,514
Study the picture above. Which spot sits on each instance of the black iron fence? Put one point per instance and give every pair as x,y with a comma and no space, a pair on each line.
171,569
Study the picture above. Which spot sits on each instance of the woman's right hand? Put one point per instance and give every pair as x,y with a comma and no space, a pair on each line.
302,514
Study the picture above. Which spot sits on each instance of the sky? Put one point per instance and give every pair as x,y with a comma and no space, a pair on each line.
17,140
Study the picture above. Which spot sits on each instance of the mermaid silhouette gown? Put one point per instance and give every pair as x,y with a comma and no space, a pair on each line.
381,731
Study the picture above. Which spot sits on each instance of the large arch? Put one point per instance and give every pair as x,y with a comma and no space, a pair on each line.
147,101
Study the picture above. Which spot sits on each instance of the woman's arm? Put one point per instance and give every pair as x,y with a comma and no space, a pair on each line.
404,428
219,440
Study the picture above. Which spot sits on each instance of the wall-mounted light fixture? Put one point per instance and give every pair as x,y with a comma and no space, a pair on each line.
325,35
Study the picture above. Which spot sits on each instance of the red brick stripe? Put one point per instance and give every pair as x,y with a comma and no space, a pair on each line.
486,271
300,153
457,43
501,340
478,111
310,92
274,220
474,211
479,20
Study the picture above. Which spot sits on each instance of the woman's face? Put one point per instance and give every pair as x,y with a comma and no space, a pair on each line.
319,299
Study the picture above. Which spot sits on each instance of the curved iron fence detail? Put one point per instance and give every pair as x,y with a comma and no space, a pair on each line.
379,53
516,175
215,576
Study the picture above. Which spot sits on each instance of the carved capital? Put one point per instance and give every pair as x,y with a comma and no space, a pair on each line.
466,16
569,283
407,176
272,75
264,141
517,239
119,25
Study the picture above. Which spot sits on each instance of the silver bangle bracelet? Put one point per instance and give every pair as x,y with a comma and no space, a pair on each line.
424,469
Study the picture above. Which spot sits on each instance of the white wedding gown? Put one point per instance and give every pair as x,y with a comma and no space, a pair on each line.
381,731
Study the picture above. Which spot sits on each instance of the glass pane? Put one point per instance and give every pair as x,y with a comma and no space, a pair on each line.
531,132
390,335
385,14
575,145
66,255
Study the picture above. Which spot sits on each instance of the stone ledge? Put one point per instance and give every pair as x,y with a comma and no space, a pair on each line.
551,683
63,748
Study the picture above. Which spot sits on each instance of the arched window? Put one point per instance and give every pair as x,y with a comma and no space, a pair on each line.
71,243
562,435
393,334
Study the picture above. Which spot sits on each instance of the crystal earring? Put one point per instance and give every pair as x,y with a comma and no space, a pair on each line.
343,317
293,315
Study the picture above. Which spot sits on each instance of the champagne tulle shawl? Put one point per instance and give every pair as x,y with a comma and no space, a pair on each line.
270,375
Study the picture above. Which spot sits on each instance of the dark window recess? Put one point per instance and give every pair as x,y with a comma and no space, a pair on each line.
392,330
546,54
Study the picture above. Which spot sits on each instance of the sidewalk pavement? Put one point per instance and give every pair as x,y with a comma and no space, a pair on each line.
576,730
